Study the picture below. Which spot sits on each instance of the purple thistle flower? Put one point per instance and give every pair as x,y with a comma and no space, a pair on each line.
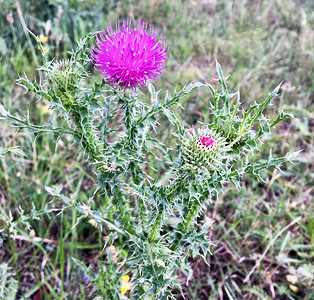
206,142
129,57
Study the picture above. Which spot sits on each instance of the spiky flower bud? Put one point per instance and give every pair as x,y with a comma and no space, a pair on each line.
64,75
204,151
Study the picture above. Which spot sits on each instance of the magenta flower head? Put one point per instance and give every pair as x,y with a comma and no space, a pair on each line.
129,57
206,142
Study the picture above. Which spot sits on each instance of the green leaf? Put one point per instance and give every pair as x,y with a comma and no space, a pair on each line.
245,119
25,123
34,87
271,163
265,129
168,101
262,106
222,80
14,150
280,118
52,191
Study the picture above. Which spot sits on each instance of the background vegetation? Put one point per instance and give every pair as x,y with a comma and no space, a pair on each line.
260,44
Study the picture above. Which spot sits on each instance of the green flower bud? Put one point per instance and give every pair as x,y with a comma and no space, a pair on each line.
64,75
204,151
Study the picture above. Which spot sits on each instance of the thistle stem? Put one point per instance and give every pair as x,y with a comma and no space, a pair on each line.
156,227
191,215
87,135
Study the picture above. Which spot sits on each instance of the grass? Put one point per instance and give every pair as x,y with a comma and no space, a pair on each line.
267,226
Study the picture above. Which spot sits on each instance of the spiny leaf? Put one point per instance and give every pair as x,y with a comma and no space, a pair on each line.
222,80
280,118
168,102
24,123
262,106
34,87
14,150
271,163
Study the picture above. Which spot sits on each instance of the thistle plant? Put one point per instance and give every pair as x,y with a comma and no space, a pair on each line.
159,226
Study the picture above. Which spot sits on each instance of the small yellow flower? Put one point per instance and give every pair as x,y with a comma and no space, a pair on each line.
44,108
125,284
93,223
293,288
43,39
124,290
45,49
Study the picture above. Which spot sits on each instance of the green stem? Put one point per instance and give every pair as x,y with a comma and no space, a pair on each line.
90,142
156,227
191,216
140,207
87,136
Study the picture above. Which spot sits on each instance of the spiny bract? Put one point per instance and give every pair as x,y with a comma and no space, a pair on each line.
204,151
